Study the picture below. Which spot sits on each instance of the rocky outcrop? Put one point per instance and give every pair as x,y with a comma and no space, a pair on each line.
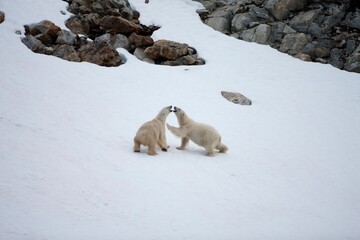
2,17
109,24
236,98
311,30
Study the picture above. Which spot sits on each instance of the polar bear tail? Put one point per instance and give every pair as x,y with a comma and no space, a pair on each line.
222,148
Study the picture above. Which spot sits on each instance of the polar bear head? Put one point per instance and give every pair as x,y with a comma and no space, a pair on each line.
180,115
162,115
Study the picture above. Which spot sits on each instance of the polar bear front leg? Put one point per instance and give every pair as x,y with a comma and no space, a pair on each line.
184,143
179,132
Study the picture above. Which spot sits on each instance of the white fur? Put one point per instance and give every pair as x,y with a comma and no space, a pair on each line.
152,133
202,134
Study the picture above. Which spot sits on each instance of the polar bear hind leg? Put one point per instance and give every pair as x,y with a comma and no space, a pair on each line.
152,149
222,148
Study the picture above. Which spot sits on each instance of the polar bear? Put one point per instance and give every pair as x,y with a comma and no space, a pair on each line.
202,134
152,133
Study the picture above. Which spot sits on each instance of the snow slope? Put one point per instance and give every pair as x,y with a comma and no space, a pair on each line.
67,166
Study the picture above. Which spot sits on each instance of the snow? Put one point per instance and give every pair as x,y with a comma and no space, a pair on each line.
67,166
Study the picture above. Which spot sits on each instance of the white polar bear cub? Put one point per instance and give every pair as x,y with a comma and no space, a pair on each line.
202,134
152,133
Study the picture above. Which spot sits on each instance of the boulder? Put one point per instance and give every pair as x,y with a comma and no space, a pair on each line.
352,63
184,60
294,43
120,25
78,25
66,52
2,17
303,57
167,49
140,41
220,24
140,54
116,41
100,53
352,19
236,98
242,21
44,27
281,9
262,33
303,20
66,37
36,45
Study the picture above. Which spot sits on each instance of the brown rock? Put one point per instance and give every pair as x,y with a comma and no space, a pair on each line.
114,24
141,41
2,16
236,98
100,53
45,31
167,49
78,26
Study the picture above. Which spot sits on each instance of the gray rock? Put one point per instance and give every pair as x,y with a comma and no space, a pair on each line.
219,24
140,54
66,37
321,52
352,19
336,58
248,35
281,9
350,46
352,63
261,13
302,21
36,45
262,33
236,98
242,21
294,43
115,41
276,33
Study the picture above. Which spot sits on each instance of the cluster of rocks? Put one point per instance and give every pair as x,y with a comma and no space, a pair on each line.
311,30
97,29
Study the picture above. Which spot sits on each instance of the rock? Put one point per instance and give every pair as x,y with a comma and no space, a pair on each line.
140,54
199,61
66,37
2,17
62,12
236,98
119,25
281,9
261,13
303,57
352,19
219,24
43,27
18,32
185,60
242,21
350,46
352,63
336,56
262,33
36,45
248,35
78,25
321,60
100,53
303,20
321,52
66,52
294,43
167,49
141,41
116,41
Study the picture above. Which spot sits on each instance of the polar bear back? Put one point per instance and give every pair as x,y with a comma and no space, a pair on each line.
202,134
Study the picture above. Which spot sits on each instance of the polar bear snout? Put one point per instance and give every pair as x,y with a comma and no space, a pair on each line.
175,109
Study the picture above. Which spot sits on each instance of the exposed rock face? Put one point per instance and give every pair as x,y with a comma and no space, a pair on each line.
166,49
111,24
312,30
236,98
2,17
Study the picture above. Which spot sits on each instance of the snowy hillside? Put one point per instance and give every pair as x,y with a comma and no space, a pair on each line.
67,166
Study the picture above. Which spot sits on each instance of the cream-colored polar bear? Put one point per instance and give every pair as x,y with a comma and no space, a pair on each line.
152,133
202,134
